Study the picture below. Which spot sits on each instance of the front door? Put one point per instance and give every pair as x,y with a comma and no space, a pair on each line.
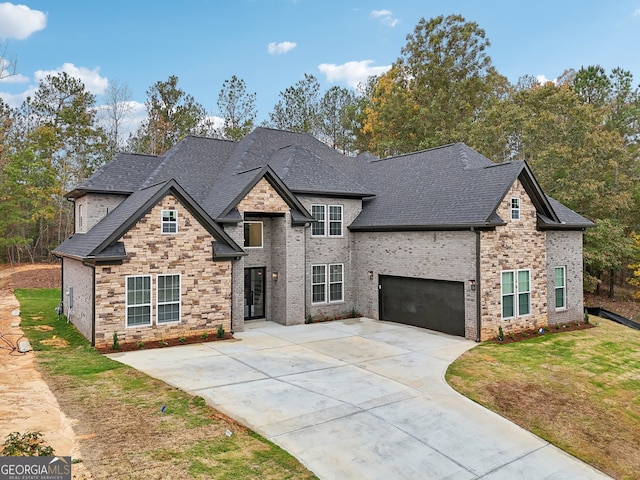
254,293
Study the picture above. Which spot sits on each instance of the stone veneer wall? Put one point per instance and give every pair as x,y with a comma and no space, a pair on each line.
564,249
516,246
205,284
431,255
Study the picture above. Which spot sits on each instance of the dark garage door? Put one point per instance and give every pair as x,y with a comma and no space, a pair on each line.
433,304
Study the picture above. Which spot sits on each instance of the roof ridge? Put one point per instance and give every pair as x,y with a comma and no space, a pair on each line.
408,154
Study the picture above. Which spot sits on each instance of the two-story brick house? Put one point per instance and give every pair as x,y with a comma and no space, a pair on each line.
279,226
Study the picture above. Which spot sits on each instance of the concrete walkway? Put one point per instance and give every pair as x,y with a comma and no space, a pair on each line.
354,399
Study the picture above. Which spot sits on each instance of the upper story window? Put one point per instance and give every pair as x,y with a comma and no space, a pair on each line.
80,216
169,221
515,208
319,228
253,234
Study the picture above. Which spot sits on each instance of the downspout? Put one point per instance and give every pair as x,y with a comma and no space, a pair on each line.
478,287
93,315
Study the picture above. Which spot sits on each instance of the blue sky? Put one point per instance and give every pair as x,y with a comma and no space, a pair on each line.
272,43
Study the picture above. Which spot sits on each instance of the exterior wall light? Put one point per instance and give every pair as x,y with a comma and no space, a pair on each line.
274,275
472,284
370,273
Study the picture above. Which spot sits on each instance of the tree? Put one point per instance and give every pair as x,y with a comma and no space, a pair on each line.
8,65
237,107
337,118
118,107
435,90
171,115
297,109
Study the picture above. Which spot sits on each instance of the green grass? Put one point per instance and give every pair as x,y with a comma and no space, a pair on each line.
118,411
579,390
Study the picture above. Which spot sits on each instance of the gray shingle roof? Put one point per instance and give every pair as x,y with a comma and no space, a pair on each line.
449,187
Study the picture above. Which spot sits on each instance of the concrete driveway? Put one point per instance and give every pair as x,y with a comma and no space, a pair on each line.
357,399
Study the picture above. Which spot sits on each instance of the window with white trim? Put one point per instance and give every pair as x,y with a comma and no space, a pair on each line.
323,214
335,220
138,300
515,208
253,234
516,293
319,212
168,298
80,216
327,288
169,221
560,282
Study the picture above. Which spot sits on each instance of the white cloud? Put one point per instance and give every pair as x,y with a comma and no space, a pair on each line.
278,48
385,16
543,79
353,73
91,79
19,21
14,100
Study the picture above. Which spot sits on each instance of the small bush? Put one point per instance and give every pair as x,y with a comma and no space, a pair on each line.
139,344
116,343
204,335
28,444
220,331
500,333
182,339
354,312
586,318
309,319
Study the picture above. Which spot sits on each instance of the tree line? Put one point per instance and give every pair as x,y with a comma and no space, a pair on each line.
580,134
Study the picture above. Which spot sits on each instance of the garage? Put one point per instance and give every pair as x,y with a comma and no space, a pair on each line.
433,304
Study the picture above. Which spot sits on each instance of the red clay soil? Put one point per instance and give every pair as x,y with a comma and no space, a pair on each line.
528,334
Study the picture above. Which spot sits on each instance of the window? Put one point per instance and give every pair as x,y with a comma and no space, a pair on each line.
318,283
515,209
331,288
335,220
169,221
138,296
336,284
319,212
516,293
168,299
319,227
559,278
80,215
253,234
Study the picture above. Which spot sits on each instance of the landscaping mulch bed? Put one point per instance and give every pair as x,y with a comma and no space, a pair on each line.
170,342
551,329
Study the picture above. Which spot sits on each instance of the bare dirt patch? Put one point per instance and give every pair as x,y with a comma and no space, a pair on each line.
26,401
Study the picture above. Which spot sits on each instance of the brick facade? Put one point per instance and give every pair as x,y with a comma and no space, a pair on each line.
77,288
515,246
431,255
90,209
205,284
564,249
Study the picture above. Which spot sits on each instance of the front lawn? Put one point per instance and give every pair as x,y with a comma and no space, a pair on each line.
133,426
578,390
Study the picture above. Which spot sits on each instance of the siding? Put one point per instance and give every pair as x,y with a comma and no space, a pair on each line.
78,276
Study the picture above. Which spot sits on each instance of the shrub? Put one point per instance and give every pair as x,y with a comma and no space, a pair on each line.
139,344
182,339
500,333
354,312
220,331
204,335
309,319
116,343
28,444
